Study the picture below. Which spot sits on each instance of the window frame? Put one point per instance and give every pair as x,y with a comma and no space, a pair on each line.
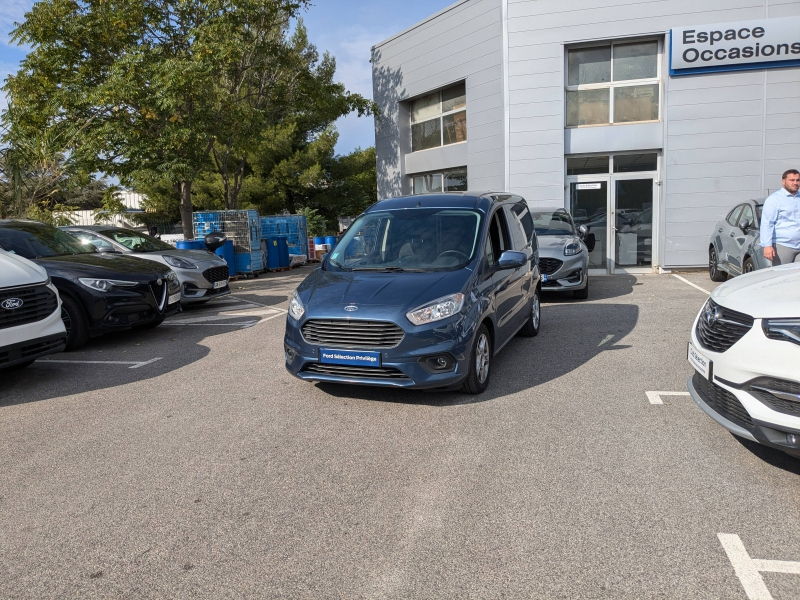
612,85
439,116
443,173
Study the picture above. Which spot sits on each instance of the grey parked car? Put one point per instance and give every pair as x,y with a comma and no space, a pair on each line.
563,252
202,274
734,247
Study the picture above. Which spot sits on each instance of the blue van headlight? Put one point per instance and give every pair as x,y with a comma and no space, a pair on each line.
436,310
296,308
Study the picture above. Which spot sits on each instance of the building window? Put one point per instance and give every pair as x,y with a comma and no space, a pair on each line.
614,83
623,163
439,119
454,180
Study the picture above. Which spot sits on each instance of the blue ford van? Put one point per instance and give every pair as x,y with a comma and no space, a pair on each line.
421,292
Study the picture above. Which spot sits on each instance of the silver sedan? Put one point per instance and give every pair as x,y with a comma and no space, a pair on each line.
563,252
203,275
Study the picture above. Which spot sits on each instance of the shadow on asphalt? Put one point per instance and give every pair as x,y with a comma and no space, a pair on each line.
578,330
175,345
774,457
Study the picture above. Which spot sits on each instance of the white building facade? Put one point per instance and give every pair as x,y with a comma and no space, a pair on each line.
648,120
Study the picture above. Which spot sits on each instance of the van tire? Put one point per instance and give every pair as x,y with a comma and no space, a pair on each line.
532,323
481,349
749,265
75,322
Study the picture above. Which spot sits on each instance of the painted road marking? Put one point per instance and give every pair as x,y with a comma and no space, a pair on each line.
135,364
606,339
655,397
697,287
748,569
239,324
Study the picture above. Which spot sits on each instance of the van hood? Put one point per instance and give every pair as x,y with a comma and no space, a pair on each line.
325,293
763,294
16,271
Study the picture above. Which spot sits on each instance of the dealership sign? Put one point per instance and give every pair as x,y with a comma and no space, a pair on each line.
757,44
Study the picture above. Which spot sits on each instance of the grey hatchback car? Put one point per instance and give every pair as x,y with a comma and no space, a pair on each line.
202,274
734,247
563,252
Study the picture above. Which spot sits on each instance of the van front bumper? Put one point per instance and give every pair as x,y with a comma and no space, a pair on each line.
403,366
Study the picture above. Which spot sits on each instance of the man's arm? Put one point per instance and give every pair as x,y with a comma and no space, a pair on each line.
769,216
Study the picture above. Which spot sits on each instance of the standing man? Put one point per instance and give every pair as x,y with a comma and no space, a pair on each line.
780,222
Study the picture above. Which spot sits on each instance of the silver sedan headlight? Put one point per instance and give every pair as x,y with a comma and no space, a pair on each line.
573,248
181,263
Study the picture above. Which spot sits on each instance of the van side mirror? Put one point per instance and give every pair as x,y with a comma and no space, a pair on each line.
744,225
510,259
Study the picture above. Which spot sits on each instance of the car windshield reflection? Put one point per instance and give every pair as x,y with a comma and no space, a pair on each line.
421,239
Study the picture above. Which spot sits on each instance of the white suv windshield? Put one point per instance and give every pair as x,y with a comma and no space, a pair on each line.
419,239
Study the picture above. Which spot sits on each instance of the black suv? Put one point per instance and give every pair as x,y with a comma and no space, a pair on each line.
100,292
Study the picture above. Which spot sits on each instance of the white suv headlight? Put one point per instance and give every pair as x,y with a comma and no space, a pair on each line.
436,310
106,285
782,329
296,308
572,248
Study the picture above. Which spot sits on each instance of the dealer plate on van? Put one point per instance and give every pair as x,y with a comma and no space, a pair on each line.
702,365
353,358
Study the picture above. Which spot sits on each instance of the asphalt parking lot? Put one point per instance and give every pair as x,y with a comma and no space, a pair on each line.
186,462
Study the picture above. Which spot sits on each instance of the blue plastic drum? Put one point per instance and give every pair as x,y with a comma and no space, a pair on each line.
332,240
191,245
228,255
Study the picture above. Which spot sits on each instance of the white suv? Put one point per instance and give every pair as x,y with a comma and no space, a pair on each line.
745,348
30,313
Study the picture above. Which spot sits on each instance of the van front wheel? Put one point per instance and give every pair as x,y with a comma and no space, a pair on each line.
480,362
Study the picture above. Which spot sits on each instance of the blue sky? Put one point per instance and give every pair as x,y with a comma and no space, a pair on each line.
346,28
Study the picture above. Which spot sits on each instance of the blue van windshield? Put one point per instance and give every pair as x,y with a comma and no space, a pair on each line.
417,239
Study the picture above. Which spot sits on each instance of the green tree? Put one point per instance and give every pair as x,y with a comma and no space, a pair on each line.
159,81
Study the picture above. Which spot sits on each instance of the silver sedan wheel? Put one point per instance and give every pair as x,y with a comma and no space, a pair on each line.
482,358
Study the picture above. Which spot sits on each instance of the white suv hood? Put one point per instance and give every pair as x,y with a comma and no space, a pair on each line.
16,271
763,294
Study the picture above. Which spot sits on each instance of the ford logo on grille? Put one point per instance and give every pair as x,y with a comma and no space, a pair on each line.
711,314
11,303
350,308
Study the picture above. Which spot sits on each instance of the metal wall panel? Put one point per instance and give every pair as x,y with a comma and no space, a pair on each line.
725,137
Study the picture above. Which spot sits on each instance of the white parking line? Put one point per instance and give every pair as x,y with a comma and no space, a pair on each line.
655,397
748,569
135,364
239,324
695,286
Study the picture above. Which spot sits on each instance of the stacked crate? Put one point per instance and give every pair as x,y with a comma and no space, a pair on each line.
293,227
242,227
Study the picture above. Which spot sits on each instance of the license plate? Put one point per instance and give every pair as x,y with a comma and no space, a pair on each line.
544,277
354,358
220,284
702,365
174,298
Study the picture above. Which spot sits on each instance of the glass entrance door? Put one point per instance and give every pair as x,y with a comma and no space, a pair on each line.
633,229
589,205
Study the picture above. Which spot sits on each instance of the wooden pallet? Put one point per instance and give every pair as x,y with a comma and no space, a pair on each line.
278,270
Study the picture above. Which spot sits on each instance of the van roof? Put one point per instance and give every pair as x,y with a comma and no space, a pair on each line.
474,200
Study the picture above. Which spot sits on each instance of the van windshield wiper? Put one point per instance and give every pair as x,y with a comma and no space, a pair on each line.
387,269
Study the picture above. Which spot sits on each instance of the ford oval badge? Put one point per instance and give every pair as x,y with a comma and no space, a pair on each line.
350,308
11,303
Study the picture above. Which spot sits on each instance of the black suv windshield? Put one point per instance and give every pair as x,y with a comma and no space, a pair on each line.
37,240
418,239
551,222
138,242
